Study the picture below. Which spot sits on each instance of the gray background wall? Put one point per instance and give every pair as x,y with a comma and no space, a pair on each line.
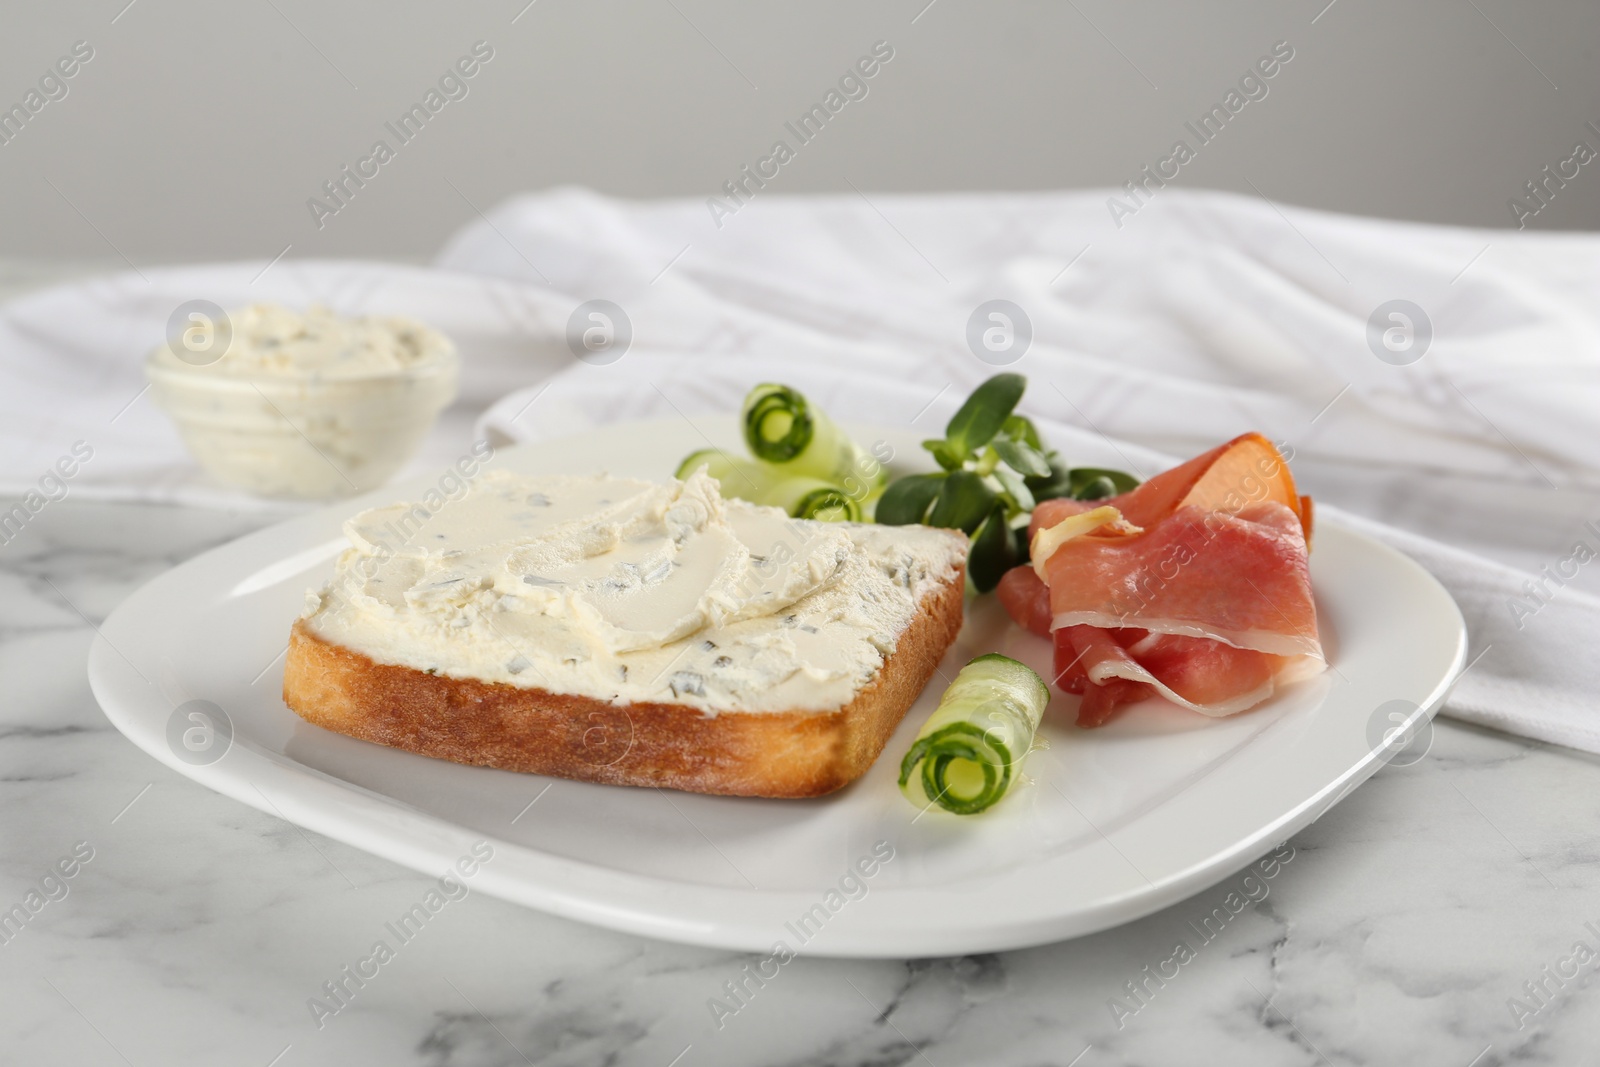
199,130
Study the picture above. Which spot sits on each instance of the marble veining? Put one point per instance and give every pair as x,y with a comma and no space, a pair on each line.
1408,919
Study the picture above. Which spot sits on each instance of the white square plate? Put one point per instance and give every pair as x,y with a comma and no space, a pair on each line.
1115,823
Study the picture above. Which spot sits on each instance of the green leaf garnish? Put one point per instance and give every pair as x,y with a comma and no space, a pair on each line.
993,552
1098,483
964,501
1016,489
1057,483
984,413
907,499
1021,428
942,453
1021,457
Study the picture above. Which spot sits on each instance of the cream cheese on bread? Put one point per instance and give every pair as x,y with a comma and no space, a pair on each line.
631,591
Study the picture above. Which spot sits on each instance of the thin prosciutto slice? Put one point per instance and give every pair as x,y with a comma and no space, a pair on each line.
1194,587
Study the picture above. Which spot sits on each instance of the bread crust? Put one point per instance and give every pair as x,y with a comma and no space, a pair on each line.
760,754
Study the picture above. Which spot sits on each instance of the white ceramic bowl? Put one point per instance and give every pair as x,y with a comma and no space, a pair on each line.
304,436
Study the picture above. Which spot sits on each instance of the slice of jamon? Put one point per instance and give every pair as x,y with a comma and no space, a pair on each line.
1243,579
1247,470
1026,599
1116,667
1195,586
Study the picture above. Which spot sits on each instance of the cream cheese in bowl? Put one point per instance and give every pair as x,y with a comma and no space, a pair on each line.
305,405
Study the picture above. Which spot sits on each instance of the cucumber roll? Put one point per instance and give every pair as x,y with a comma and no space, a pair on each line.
972,746
738,477
783,429
812,498
763,483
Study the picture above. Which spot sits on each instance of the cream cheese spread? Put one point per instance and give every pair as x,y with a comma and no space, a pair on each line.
269,340
631,591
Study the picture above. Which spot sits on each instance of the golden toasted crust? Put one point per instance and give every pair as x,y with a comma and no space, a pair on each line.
761,754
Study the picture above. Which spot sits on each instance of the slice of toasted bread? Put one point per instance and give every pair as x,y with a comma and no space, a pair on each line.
676,746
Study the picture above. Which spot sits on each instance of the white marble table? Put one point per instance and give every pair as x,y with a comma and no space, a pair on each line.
1397,933
197,929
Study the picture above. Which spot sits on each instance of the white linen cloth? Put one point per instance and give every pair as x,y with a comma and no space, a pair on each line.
1204,316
